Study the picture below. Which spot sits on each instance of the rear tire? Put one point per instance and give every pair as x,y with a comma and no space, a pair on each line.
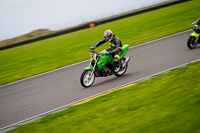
85,78
191,42
122,72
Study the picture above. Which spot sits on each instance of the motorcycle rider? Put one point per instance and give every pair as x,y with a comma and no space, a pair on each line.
116,47
196,26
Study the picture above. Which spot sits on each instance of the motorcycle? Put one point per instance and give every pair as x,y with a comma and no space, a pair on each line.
102,65
194,38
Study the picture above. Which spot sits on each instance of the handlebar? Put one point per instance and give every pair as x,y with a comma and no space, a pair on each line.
92,51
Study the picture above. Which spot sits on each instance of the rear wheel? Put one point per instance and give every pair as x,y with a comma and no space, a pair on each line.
191,42
122,70
87,78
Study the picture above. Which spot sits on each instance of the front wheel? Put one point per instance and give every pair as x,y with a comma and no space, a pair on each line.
87,78
191,42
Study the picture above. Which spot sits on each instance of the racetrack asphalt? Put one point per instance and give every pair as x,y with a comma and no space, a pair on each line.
33,96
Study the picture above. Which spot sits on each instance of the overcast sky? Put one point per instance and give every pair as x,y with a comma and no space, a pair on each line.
19,17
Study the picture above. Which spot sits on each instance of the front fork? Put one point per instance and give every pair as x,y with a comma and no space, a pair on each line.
91,68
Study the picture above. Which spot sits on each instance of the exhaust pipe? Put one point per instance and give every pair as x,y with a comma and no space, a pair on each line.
126,61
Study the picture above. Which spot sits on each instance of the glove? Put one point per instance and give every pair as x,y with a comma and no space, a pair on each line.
108,53
92,48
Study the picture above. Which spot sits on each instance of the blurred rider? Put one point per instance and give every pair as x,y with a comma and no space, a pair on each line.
196,26
115,49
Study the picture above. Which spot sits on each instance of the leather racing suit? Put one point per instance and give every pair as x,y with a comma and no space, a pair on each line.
116,48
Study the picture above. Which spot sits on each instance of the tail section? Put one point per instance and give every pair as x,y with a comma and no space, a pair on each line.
126,48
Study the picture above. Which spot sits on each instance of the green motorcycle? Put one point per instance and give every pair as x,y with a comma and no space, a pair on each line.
102,65
194,38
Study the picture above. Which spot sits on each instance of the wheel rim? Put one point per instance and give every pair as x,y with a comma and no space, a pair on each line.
87,80
192,43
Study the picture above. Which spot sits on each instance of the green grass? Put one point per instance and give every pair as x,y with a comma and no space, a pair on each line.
169,103
34,58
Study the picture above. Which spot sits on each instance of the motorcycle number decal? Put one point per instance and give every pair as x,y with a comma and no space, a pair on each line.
91,56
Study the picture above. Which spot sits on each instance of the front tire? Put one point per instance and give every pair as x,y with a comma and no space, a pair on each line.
191,42
87,78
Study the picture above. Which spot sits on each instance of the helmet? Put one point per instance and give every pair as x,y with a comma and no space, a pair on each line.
108,34
195,27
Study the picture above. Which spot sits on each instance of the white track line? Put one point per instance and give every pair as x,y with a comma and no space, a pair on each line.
88,60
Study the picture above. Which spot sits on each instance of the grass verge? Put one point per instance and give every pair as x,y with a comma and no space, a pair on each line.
34,58
167,103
